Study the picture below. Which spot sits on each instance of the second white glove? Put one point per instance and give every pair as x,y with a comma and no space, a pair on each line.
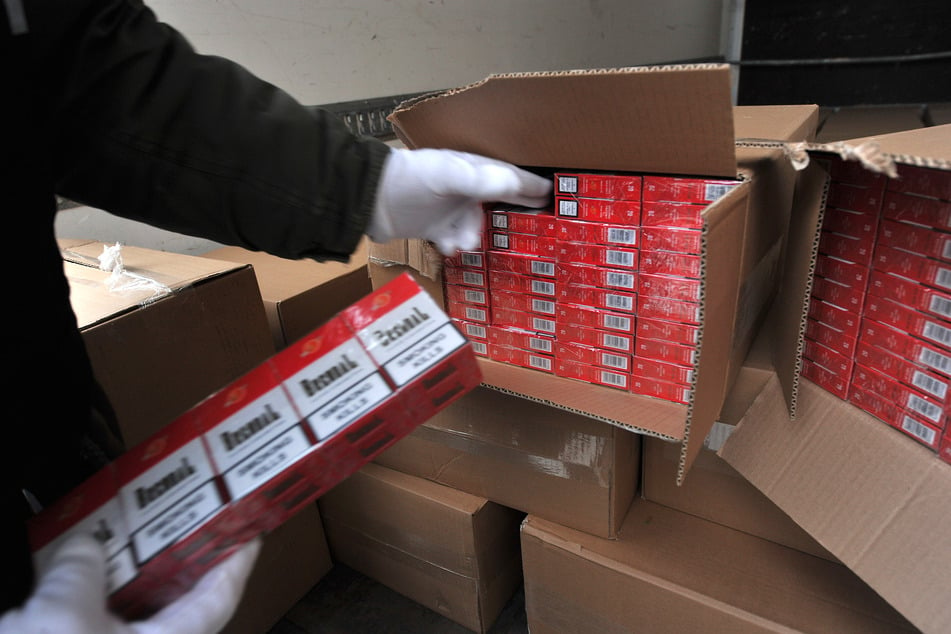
437,195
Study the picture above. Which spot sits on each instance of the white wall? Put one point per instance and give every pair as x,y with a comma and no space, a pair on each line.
326,51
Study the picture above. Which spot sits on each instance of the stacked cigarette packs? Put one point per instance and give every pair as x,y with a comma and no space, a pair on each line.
604,287
879,324
244,460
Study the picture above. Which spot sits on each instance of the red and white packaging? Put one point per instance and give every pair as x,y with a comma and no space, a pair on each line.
847,248
911,321
855,197
887,411
683,289
828,358
596,255
670,263
910,293
524,339
672,239
826,379
665,351
669,309
672,214
601,298
536,222
918,210
905,397
597,233
905,371
855,224
522,264
523,358
523,320
477,335
590,355
596,185
685,189
901,343
844,321
917,267
588,275
842,271
672,331
518,283
645,369
467,294
466,260
469,312
578,315
662,390
621,212
523,302
591,374
922,181
845,296
464,276
595,337
831,337
528,244
921,240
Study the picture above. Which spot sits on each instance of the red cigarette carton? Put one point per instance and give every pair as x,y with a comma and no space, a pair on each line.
536,222
904,370
596,255
600,298
918,210
597,233
595,337
831,337
855,198
523,358
847,248
684,289
855,224
655,370
921,240
842,271
595,185
669,309
523,302
590,355
826,379
528,244
472,330
911,321
621,212
466,259
591,374
588,275
828,358
683,189
522,320
663,390
523,264
578,315
524,339
920,430
466,277
670,263
930,356
469,312
910,293
917,267
844,321
661,329
665,351
456,293
518,283
843,295
672,239
672,214
922,181
903,396
904,421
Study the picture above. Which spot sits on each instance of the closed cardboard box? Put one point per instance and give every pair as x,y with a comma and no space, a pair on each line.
455,553
673,572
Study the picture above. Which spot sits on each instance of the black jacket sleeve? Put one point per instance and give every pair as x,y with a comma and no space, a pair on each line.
153,131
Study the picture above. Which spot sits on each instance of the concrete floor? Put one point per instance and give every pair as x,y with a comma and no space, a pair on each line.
347,602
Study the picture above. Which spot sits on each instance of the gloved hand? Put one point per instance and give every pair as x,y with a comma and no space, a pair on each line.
70,598
437,195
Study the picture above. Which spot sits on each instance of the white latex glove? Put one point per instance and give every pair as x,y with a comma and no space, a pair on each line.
437,195
70,597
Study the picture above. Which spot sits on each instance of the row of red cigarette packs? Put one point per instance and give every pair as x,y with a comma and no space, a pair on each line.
244,460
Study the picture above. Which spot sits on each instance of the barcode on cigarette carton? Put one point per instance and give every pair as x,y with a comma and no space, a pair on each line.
923,407
935,360
929,384
543,288
619,258
620,280
618,343
617,235
916,429
542,363
936,332
613,378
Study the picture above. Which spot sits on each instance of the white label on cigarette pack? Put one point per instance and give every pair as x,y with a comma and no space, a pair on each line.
475,330
476,314
424,354
250,428
476,297
943,278
613,378
472,259
267,462
471,277
159,488
620,280
350,406
500,221
537,343
543,268
915,428
543,288
402,327
568,208
619,258
329,376
176,521
618,343
929,384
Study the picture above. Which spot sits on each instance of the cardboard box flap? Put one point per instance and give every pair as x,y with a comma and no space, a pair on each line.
882,507
148,276
665,119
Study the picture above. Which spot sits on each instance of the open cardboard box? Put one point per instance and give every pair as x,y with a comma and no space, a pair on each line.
674,120
875,498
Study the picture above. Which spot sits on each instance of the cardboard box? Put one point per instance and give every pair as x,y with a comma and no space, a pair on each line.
299,295
636,121
455,553
673,572
162,348
860,488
